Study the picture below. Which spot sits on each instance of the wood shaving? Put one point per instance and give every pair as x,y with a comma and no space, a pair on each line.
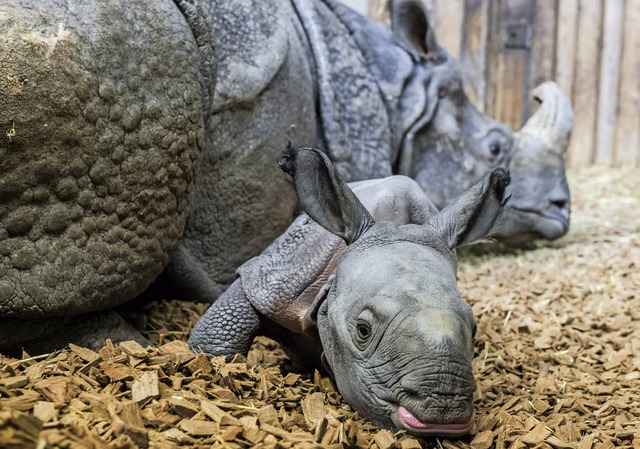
557,360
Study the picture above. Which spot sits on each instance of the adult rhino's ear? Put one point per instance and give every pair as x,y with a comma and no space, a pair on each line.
324,196
471,216
413,26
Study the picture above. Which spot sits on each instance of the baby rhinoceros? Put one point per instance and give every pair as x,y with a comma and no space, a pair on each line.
383,311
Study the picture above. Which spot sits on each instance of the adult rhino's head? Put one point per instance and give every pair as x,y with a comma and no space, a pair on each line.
446,144
396,335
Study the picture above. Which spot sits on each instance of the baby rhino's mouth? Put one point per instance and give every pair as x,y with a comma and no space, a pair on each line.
409,422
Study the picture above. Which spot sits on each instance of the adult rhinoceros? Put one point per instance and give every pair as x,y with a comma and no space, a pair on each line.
144,134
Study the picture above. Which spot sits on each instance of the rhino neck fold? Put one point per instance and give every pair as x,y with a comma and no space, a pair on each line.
404,78
346,90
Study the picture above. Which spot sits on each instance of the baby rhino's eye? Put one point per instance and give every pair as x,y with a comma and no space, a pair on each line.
364,330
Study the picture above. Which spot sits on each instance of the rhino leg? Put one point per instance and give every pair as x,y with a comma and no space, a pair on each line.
88,330
229,326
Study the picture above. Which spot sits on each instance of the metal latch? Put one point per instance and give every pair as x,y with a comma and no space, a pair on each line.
517,36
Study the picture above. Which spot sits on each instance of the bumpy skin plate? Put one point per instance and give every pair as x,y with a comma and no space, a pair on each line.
107,136
284,280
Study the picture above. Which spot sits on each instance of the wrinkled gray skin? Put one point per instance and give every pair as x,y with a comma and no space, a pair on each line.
395,333
140,135
441,140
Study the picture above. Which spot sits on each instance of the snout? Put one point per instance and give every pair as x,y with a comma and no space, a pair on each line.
543,212
443,406
434,395
520,225
550,223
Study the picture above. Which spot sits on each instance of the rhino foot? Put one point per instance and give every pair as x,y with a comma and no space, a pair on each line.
89,330
229,326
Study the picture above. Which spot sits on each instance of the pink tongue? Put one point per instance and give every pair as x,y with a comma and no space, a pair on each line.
408,418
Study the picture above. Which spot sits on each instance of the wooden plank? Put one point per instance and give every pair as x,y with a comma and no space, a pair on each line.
543,46
494,46
566,44
608,91
449,20
379,11
566,35
473,55
627,138
509,99
512,68
585,98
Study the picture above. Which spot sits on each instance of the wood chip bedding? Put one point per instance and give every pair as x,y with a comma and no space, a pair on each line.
557,360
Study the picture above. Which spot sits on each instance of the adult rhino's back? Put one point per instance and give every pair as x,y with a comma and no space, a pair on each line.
101,105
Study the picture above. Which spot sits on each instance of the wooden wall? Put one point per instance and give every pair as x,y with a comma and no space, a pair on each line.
591,48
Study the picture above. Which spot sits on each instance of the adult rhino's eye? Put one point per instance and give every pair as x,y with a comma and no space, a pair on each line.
494,148
364,330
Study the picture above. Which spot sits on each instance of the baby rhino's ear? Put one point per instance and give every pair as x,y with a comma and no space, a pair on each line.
471,216
324,196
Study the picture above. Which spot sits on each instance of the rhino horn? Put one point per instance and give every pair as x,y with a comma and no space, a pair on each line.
553,121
